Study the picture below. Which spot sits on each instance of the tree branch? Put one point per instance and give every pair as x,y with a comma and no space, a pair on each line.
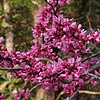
87,17
91,57
51,7
11,69
93,75
88,92
59,95
34,87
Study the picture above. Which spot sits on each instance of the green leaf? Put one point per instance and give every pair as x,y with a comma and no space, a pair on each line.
1,9
4,24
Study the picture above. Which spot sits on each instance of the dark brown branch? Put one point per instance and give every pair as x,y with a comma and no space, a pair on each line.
51,7
91,57
34,87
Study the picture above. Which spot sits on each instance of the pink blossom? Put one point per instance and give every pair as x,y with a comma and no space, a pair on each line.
1,39
23,94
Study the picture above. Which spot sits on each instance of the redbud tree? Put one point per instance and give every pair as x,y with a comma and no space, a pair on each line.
60,59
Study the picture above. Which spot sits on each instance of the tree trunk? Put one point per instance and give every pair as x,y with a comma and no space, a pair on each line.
35,11
9,41
8,32
43,95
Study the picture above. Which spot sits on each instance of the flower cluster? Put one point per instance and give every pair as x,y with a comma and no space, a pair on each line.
1,39
22,95
59,2
3,97
94,37
56,59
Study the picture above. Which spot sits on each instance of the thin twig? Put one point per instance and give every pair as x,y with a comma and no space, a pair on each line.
11,69
90,26
95,76
34,87
59,95
88,92
52,8
91,57
80,18
88,19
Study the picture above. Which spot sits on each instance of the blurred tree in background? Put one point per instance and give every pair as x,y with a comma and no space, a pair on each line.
86,12
22,15
20,19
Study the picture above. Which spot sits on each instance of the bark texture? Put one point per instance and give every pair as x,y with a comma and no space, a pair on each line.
8,31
